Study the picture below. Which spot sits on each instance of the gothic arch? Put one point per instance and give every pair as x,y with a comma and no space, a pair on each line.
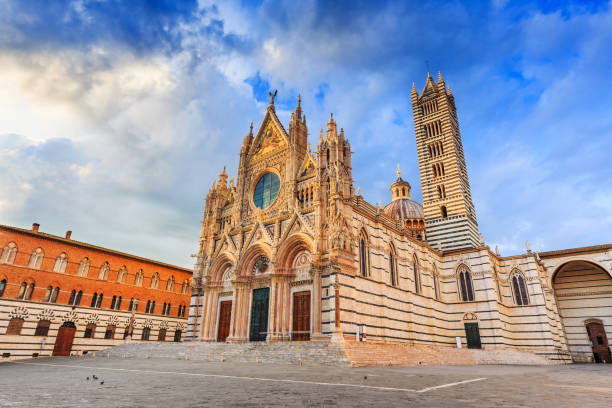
292,246
558,268
220,265
251,255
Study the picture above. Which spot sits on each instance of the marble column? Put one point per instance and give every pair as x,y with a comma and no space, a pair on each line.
317,328
280,308
239,320
209,312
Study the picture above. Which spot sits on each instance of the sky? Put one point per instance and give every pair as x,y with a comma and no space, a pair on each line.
116,117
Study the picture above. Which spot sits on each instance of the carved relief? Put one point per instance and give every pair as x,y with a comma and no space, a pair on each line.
19,312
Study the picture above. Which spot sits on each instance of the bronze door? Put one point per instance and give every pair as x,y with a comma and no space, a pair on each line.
225,314
599,342
301,316
64,339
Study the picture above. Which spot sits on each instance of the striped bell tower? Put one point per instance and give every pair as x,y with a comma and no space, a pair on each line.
450,219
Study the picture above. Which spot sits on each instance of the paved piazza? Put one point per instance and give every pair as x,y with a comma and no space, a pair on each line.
61,382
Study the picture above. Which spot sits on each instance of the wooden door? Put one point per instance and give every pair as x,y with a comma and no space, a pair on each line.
599,342
472,333
64,339
301,316
259,314
225,314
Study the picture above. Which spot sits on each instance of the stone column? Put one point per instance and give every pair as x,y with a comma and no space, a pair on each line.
280,308
239,319
209,311
317,326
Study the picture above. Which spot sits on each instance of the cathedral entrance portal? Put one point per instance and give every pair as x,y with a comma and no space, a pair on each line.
225,314
301,316
259,314
599,342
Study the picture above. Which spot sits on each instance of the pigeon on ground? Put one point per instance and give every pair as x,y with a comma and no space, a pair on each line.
94,377
365,377
87,378
101,382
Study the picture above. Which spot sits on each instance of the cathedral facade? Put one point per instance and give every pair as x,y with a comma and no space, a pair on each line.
290,251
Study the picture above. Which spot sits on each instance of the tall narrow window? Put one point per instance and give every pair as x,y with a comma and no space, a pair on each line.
60,263
2,287
113,301
465,285
94,299
83,269
90,331
521,297
138,278
72,297
417,275
363,254
392,267
25,291
54,295
103,274
436,281
8,253
122,274
185,288
36,258
170,284
443,211
155,281
146,332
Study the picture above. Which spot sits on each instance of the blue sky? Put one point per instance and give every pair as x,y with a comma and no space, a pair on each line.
116,117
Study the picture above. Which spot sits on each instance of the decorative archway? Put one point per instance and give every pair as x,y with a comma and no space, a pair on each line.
583,291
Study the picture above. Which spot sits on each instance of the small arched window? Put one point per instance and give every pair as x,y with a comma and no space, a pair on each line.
393,266
363,254
14,327
155,281
52,294
25,291
2,287
465,285
138,278
96,300
170,284
83,267
90,331
121,275
42,328
185,287
519,289
103,274
8,253
60,263
36,258
417,274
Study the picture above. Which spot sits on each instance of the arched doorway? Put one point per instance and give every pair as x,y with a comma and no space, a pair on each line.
64,339
584,299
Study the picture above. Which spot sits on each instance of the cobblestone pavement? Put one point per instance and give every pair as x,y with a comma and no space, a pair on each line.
61,382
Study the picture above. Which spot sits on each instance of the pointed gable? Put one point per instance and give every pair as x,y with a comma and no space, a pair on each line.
270,137
307,169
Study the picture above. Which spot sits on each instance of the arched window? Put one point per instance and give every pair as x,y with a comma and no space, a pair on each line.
113,302
138,278
90,331
155,280
75,297
2,286
52,293
60,263
25,291
436,281
8,253
393,266
121,275
519,289
36,258
96,300
133,305
103,274
168,307
185,287
417,274
42,328
148,308
443,211
465,285
170,284
110,331
363,255
14,327
83,267
146,332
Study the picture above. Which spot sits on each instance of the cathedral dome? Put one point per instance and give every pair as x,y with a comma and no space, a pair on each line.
403,208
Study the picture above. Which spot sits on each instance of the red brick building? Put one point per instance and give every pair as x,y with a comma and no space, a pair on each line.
60,296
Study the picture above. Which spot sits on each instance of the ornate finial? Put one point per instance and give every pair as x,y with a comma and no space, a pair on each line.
496,250
299,100
251,130
399,172
449,91
358,191
272,96
528,247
